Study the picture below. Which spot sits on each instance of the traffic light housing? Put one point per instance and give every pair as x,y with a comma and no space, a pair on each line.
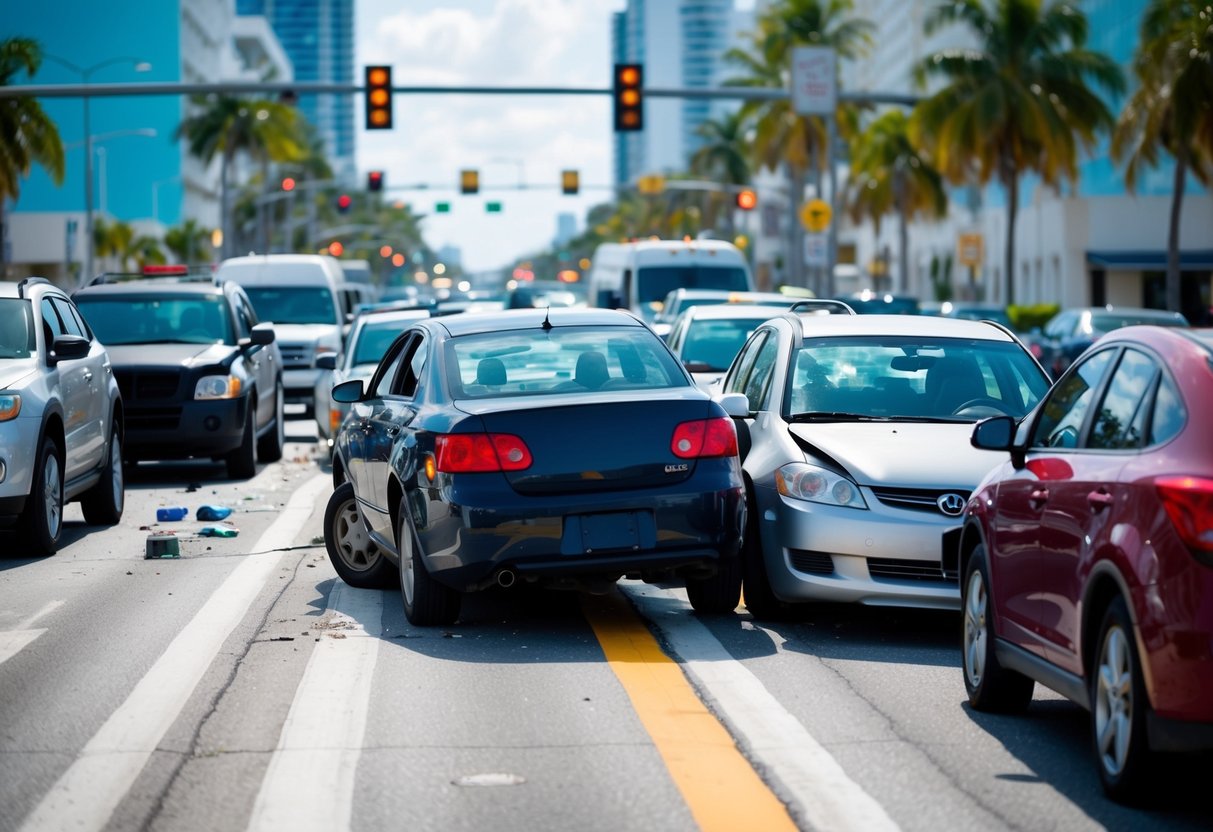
343,203
570,182
374,181
378,98
746,200
469,181
629,97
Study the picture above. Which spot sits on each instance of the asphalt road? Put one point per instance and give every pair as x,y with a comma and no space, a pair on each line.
243,686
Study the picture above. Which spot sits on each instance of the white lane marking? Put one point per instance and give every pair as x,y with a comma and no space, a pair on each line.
818,788
309,785
87,793
17,639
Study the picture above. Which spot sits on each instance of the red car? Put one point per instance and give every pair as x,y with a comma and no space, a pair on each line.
1087,557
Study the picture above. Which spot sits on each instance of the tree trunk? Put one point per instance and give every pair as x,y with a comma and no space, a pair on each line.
797,275
903,234
3,239
1011,184
1177,198
224,219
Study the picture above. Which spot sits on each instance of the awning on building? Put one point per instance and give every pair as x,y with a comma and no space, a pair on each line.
1150,261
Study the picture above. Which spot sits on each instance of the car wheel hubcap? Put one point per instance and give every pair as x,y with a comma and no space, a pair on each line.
116,472
1114,702
52,498
357,550
280,426
975,632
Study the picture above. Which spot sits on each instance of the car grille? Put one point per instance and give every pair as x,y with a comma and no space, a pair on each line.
812,563
296,356
930,571
138,386
152,418
915,499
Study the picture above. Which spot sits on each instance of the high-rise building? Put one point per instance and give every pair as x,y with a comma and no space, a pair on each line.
318,36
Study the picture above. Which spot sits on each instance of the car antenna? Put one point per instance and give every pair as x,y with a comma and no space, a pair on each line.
547,324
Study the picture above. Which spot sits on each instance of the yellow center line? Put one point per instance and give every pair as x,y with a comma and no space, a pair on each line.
719,785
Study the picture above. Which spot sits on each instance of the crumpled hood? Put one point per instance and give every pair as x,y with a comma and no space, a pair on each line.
15,371
169,355
903,454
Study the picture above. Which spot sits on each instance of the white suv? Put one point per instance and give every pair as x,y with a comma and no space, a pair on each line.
60,417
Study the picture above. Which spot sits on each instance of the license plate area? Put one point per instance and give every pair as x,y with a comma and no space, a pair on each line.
616,531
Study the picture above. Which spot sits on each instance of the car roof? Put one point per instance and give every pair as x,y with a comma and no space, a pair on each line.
153,286
473,323
925,326
379,316
747,311
12,288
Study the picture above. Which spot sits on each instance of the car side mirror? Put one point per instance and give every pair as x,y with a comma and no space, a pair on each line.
262,334
328,361
734,404
67,348
348,392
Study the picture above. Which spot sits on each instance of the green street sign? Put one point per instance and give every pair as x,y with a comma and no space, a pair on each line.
492,207
442,207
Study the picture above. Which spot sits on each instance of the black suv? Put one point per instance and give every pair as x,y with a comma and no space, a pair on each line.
200,377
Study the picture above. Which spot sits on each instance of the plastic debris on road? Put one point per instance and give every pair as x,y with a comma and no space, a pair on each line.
212,512
218,531
170,514
162,545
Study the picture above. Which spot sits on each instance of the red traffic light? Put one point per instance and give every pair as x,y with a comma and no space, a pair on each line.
374,181
747,200
336,248
288,184
344,202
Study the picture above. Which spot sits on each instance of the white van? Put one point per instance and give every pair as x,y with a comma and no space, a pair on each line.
639,275
301,294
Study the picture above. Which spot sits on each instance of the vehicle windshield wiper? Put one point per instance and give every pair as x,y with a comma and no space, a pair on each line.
835,416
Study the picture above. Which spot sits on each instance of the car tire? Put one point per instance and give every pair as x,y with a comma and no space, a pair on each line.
355,557
759,598
720,593
242,462
1118,709
41,523
427,603
990,686
270,445
102,504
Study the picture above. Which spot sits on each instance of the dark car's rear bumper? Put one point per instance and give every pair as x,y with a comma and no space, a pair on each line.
192,429
644,533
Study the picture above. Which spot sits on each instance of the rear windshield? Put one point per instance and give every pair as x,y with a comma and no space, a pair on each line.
653,283
151,319
1109,322
293,304
16,329
562,360
711,343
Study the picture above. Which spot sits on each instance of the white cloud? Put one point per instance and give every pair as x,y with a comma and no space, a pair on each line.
553,43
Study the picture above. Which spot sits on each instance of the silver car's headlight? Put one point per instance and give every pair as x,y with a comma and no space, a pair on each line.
802,481
10,406
217,387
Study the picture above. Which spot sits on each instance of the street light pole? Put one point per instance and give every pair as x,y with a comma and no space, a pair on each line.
85,73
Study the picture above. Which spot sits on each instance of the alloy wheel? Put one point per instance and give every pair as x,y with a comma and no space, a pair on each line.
52,495
975,629
352,541
1114,702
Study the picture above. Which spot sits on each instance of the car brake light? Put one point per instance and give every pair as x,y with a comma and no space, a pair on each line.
705,438
463,453
1189,503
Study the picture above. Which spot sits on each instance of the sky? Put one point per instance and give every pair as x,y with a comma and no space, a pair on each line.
526,139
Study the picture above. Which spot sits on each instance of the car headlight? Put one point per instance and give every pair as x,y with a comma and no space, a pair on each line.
10,406
217,387
802,481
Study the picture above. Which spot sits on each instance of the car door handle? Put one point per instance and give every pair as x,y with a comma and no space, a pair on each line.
1038,497
1098,500
392,431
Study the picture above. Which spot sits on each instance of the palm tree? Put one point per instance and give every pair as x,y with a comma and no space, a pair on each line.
783,138
119,241
723,157
1171,109
227,125
27,135
1019,102
889,174
188,242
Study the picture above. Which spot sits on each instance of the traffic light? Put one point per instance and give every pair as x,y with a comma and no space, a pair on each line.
570,182
746,200
288,184
343,204
378,98
374,181
469,181
336,248
629,100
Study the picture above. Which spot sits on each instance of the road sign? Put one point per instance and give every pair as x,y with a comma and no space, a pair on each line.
814,80
816,250
442,207
651,184
815,215
970,249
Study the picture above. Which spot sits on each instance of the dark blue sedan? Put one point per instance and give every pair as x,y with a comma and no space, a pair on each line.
565,447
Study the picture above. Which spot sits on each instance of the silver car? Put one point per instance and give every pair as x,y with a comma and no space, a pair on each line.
856,452
60,417
706,338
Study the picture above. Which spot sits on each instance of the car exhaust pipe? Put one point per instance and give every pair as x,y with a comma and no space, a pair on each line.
506,578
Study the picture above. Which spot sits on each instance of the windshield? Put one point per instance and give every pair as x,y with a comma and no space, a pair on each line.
949,379
711,344
16,329
1107,323
293,304
653,283
563,360
373,341
151,319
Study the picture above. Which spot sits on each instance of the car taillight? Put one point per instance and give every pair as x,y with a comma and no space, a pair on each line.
1189,503
463,453
705,438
